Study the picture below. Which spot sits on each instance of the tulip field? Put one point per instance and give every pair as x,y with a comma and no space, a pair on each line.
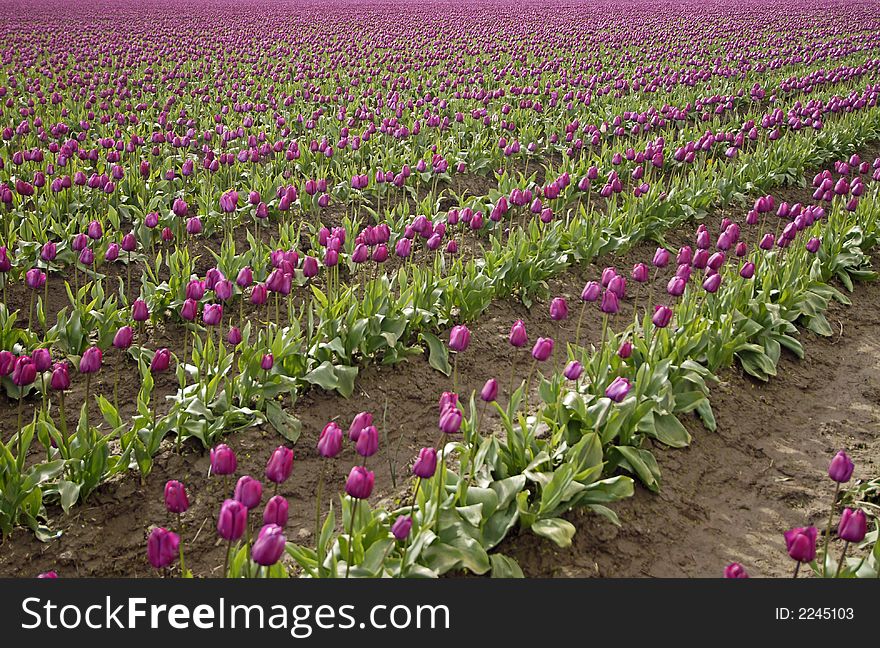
345,290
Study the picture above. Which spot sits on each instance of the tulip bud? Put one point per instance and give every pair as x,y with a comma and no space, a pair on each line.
841,468
361,421
450,420
735,570
625,350
401,527
640,272
232,520
248,491
279,466
360,482
24,372
90,361
591,291
223,461
212,314
661,258
367,443
267,362
490,391
609,303
459,338
801,543
276,511
558,309
163,547
60,380
518,337
426,463
543,349
853,525
176,500
330,441
573,370
662,316
618,389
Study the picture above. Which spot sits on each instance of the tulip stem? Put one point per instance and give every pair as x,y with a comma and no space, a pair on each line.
577,334
529,385
64,424
31,313
828,530
116,386
797,568
226,560
180,532
441,478
412,509
88,386
842,556
455,373
318,495
354,509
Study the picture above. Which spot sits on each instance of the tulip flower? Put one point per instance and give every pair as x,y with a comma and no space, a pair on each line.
279,466
558,309
459,338
330,441
735,570
852,526
276,511
367,443
625,350
91,361
161,361
223,461
48,574
543,349
269,545
841,468
518,336
450,420
662,316
426,463
249,492
359,484
591,291
402,527
489,393
801,545
267,362
573,370
618,389
661,258
361,421
24,372
176,500
609,304
212,314
163,547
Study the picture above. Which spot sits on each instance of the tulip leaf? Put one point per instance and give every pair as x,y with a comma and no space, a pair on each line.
286,425
438,355
556,529
505,567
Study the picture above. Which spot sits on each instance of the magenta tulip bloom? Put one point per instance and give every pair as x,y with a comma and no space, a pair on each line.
267,362
459,338
248,491
661,258
712,283
91,361
360,482
625,350
591,291
232,520
735,570
163,547
367,443
269,545
330,441
176,500
609,303
426,463
518,336
573,370
401,527
558,309
212,314
42,359
801,543
48,574
139,311
841,468
276,511
279,466
161,361
853,525
360,422
24,372
450,420
223,461
60,380
662,316
489,393
618,389
543,349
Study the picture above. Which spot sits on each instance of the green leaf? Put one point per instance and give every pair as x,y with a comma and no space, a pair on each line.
438,354
556,529
505,567
669,430
286,425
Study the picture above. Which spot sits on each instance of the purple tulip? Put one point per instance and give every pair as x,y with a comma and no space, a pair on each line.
450,420
259,295
573,370
801,543
161,361
139,311
212,314
267,362
276,511
24,372
618,389
234,336
361,421
661,258
401,527
269,545
426,463
518,337
223,461
735,570
360,482
841,468
176,500
367,443
813,245
60,380
330,441
459,338
232,520
490,391
591,291
279,466
558,309
662,316
248,491
543,349
163,547
91,361
853,525
609,303
42,359
711,283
